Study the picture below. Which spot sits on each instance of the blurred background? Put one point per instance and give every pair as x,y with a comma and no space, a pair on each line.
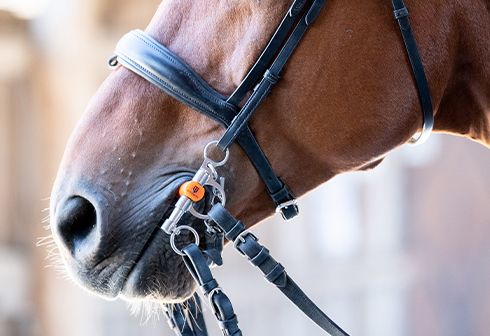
405,248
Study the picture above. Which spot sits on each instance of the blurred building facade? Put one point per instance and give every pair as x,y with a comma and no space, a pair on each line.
405,248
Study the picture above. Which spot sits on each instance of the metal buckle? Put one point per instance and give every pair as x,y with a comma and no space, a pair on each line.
284,205
241,239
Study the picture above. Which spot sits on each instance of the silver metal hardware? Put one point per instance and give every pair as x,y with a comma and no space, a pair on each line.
112,62
281,206
241,238
178,230
206,175
215,163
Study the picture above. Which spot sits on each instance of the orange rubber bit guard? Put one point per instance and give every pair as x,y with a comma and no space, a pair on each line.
192,190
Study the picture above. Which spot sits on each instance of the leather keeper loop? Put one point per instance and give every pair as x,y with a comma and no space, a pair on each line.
233,233
209,286
276,272
271,77
260,257
400,13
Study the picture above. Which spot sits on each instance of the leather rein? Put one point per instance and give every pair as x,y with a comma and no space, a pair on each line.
140,53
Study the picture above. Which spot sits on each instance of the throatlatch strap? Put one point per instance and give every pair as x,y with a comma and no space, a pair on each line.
400,13
247,244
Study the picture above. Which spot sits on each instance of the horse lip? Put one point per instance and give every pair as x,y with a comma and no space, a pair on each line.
181,176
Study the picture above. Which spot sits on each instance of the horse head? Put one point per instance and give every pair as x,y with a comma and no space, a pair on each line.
346,98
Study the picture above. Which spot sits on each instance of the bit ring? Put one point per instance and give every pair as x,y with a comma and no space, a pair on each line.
177,231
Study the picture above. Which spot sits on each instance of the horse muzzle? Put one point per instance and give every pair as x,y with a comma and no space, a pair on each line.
114,246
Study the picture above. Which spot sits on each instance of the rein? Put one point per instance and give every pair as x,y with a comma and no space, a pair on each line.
146,57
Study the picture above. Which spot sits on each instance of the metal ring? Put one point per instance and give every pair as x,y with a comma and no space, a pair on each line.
213,171
215,163
220,194
197,214
177,232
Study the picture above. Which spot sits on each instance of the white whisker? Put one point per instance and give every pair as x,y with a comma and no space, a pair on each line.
45,241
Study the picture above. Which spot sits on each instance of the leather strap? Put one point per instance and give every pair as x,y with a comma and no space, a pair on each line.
265,59
271,75
277,190
142,54
400,13
247,244
222,308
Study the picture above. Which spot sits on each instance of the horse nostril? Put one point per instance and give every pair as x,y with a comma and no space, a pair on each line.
76,220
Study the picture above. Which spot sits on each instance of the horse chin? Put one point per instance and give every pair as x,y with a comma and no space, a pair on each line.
160,274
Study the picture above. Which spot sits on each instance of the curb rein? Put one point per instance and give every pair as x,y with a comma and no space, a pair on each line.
143,55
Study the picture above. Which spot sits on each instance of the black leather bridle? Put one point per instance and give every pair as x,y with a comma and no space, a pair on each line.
146,57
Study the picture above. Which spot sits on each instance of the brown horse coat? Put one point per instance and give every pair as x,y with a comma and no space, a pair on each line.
347,98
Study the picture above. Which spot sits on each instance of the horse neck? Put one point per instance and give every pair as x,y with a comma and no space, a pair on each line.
465,106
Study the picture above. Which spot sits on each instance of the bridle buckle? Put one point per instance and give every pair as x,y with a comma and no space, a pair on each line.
240,239
285,206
